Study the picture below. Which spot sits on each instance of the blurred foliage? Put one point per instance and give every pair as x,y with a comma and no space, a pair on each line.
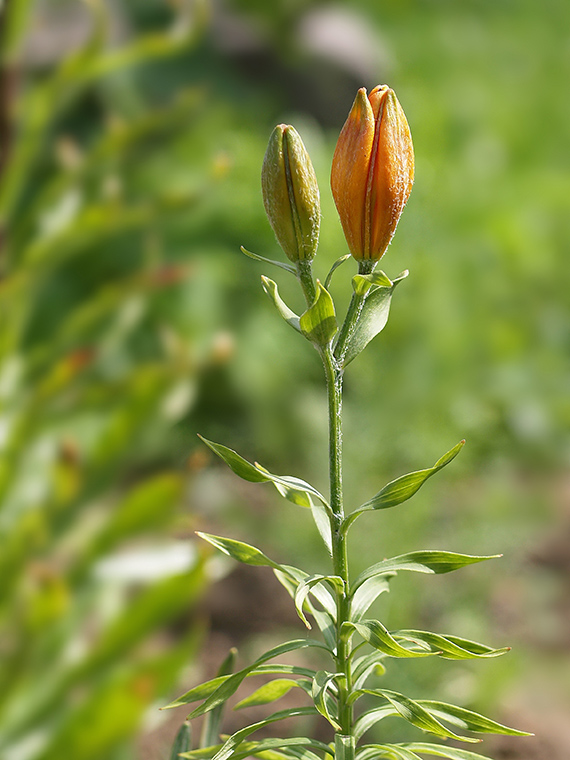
132,138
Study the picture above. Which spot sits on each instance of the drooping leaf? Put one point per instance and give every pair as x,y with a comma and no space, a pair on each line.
416,713
404,487
365,666
318,590
373,317
240,551
304,589
318,323
321,684
429,561
459,716
366,594
272,291
452,647
375,634
386,752
370,718
257,257
266,749
255,473
269,692
321,518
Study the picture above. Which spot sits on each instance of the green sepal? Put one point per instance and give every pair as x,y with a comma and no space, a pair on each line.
403,488
452,647
375,634
440,750
318,323
373,316
321,684
182,741
416,713
272,291
226,686
367,593
334,267
292,488
304,589
429,561
269,692
257,257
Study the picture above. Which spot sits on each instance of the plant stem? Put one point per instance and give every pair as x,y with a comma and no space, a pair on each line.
366,266
334,377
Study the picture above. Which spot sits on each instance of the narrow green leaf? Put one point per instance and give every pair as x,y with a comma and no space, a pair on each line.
272,291
321,518
386,751
361,283
318,590
366,594
452,647
255,473
404,487
266,749
269,692
182,741
304,589
371,717
417,714
459,716
374,633
240,551
334,267
365,666
231,685
236,463
318,323
439,750
428,561
229,747
321,684
373,317
326,620
211,727
257,257
197,693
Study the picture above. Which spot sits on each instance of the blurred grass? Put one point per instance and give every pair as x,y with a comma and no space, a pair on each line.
133,135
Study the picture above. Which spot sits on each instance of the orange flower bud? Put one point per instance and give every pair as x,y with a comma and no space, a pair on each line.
372,172
291,194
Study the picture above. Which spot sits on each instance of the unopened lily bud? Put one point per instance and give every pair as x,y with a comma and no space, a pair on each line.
372,172
291,194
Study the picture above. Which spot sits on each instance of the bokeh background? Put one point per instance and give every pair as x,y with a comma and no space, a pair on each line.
131,139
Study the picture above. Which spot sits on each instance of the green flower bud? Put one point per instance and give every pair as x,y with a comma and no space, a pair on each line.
291,194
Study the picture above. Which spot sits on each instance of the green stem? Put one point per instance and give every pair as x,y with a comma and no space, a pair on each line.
366,266
334,377
305,277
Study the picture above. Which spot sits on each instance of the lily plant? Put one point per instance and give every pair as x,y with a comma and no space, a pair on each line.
371,180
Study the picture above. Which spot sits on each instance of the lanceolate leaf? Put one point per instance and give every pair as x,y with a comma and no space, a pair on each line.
321,518
373,316
255,473
228,685
212,722
229,747
404,487
370,718
240,551
459,716
321,684
373,632
304,589
365,666
386,752
452,647
318,323
439,750
272,291
334,267
420,562
366,594
417,714
269,692
182,742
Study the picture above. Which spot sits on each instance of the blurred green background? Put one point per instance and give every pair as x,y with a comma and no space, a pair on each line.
131,139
